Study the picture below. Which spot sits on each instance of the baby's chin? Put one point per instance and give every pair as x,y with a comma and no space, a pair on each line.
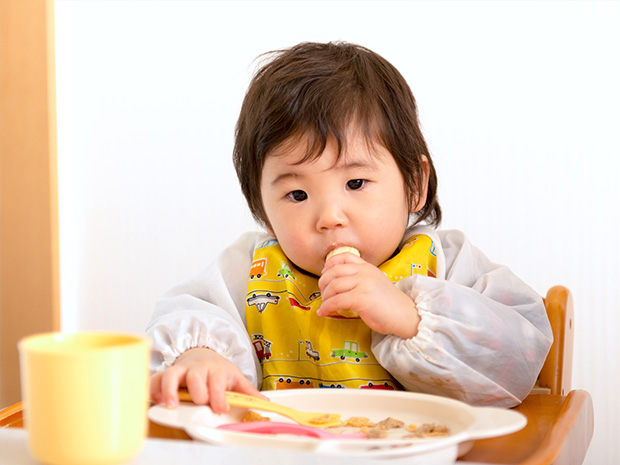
312,269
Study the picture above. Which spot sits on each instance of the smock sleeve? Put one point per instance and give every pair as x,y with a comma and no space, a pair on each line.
483,335
209,311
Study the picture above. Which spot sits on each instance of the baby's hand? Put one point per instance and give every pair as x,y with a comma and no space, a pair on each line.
350,283
207,376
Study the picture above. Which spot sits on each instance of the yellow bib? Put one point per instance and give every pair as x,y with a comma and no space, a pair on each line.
296,347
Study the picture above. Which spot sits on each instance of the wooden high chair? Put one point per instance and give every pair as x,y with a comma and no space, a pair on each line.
556,373
560,423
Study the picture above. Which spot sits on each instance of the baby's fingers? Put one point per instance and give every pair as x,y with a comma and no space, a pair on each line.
219,383
217,386
196,382
155,388
336,304
170,382
245,387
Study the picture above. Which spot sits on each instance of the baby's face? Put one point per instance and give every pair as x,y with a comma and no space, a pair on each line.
316,206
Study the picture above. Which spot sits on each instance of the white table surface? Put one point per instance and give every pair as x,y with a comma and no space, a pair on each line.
14,451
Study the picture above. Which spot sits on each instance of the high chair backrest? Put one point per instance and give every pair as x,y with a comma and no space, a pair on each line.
556,373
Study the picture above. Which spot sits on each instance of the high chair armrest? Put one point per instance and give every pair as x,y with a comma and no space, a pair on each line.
557,370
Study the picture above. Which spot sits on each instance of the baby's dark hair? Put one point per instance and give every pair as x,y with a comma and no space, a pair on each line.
318,90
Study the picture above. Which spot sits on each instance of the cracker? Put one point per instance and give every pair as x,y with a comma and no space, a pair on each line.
343,249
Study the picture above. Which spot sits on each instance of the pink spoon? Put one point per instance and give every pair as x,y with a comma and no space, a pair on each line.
274,427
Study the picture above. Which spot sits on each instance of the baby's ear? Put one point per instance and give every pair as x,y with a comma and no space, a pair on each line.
418,203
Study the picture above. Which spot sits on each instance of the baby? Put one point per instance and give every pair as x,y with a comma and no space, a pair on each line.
350,285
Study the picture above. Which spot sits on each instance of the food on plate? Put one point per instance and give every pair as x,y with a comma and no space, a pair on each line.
372,430
390,423
383,428
358,422
427,430
380,430
375,433
253,416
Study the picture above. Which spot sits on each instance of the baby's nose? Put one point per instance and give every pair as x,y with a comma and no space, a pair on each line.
331,215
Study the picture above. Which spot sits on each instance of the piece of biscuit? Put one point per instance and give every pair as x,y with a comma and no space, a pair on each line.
343,249
347,313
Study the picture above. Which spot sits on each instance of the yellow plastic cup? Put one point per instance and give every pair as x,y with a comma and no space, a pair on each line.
85,396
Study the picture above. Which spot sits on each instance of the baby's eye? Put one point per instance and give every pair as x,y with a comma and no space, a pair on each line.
297,196
355,184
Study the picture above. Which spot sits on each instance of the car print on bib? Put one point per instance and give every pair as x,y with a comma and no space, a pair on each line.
351,349
262,300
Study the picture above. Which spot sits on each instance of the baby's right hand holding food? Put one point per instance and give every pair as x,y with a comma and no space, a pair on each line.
206,375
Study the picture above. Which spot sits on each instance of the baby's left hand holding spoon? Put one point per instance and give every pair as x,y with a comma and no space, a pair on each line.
206,376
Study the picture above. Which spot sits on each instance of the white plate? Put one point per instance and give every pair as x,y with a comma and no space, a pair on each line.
464,422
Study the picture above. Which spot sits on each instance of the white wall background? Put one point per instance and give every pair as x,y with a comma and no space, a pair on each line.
519,102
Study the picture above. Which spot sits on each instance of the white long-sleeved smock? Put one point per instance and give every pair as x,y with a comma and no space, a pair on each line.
482,338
